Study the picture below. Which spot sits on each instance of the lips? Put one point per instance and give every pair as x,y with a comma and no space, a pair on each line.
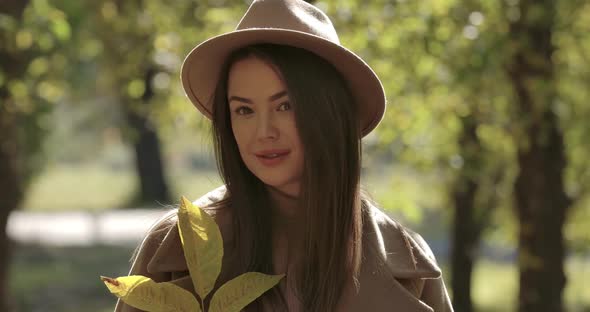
272,157
272,153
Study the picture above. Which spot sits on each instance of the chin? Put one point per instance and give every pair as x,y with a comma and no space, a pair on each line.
278,178
286,187
275,182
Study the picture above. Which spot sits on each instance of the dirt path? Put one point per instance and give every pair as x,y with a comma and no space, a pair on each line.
115,227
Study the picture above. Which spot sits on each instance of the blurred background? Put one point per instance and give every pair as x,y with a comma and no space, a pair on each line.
483,149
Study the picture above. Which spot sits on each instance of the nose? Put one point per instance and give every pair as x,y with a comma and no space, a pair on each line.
266,127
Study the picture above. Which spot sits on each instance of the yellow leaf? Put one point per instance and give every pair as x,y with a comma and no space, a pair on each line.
202,244
236,294
145,294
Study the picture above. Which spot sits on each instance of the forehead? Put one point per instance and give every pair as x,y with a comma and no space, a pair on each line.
253,77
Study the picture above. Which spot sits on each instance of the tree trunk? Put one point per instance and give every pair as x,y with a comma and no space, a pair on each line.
142,134
464,246
542,207
148,156
541,201
13,65
467,227
11,190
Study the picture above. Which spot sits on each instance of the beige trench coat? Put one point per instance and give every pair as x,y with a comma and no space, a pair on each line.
389,279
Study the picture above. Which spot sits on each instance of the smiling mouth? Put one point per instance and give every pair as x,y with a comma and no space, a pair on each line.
271,156
272,153
272,159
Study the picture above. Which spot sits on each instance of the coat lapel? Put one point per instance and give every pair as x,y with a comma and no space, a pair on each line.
169,257
401,250
390,278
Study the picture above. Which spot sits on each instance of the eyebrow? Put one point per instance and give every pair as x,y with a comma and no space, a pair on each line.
273,97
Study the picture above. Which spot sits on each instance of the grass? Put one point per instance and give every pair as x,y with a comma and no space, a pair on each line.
99,187
65,279
79,187
577,292
495,286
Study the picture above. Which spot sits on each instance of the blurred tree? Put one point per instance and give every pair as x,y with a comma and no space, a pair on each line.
10,177
29,65
446,108
451,110
143,46
126,32
571,35
10,183
125,54
541,200
467,227
474,201
482,161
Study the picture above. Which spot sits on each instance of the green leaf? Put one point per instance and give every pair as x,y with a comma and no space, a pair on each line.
236,294
202,244
61,29
145,294
136,88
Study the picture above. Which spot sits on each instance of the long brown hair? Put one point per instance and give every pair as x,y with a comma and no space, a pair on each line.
330,195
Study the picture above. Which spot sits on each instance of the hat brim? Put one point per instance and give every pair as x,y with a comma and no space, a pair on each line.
201,68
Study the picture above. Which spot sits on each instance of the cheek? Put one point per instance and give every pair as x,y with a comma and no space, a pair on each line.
296,143
300,161
241,135
294,135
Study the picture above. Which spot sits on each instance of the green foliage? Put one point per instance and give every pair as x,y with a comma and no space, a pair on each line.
443,61
439,61
30,76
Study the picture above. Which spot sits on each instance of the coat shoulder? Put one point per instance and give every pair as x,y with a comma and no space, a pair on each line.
161,227
408,258
405,252
155,235
161,249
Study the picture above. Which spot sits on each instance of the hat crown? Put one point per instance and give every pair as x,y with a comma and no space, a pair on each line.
294,15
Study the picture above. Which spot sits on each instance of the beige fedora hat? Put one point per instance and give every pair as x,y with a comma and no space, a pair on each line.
287,22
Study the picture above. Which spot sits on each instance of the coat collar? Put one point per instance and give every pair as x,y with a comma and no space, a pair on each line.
403,253
169,256
386,244
395,265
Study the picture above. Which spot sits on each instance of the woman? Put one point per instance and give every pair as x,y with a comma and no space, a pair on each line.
289,106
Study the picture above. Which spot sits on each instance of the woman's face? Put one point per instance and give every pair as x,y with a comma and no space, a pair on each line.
263,124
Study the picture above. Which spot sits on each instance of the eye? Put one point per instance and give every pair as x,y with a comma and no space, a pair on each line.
243,110
285,104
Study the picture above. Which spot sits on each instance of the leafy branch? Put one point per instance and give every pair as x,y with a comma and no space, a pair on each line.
203,248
